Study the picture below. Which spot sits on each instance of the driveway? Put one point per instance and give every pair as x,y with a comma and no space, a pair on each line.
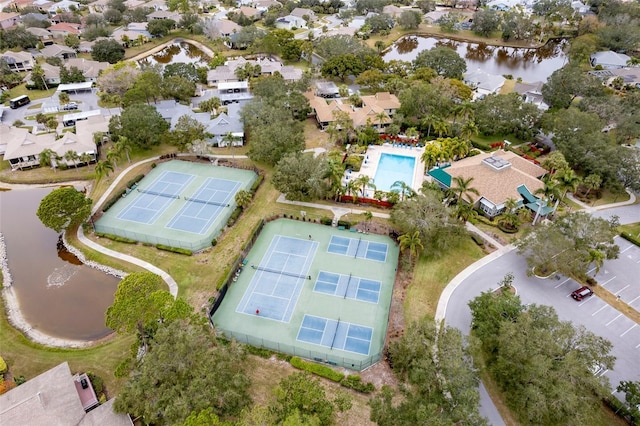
593,313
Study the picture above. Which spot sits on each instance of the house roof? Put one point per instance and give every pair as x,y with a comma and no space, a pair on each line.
368,114
89,68
384,100
164,14
522,88
55,50
484,81
17,57
301,11
609,58
39,32
65,27
51,399
5,16
250,12
494,185
223,124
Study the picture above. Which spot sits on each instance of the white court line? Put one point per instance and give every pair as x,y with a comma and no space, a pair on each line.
630,328
594,314
607,282
568,279
615,294
607,324
633,300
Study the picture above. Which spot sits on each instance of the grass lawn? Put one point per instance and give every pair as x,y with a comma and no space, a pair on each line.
631,228
431,276
29,359
21,89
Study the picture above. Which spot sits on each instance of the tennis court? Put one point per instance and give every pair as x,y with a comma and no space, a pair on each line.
336,334
294,295
358,248
283,270
179,204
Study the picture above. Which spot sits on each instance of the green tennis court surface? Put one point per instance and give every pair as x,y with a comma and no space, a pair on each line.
179,204
300,294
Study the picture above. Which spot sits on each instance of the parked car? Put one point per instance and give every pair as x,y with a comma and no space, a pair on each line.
83,383
70,106
582,293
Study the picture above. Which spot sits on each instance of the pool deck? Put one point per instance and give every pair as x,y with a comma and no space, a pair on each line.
372,158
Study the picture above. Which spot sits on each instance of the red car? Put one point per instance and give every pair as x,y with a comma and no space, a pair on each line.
582,293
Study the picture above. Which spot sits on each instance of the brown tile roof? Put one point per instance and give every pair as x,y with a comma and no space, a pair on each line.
498,186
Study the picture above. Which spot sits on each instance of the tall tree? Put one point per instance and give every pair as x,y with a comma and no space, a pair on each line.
462,187
412,243
444,61
141,124
301,177
102,170
64,208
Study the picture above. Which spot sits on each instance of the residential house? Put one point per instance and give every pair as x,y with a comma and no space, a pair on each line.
434,17
630,76
224,27
350,31
56,397
157,5
128,38
63,29
18,5
8,19
376,110
301,12
139,27
498,177
250,12
58,51
43,35
18,61
164,14
327,89
264,5
98,6
483,83
384,100
132,4
233,92
51,75
502,5
227,72
224,124
63,6
580,8
290,23
33,16
609,60
531,93
23,148
86,46
357,22
392,11
90,69
43,5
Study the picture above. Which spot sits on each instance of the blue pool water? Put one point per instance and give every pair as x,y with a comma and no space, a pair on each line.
393,168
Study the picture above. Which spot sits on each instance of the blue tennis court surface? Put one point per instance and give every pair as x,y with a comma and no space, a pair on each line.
335,334
146,208
271,293
348,286
204,207
358,248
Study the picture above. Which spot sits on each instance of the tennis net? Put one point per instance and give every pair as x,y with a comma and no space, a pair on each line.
162,194
213,203
274,271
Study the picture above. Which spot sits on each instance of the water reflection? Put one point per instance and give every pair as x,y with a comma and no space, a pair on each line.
178,52
529,64
57,295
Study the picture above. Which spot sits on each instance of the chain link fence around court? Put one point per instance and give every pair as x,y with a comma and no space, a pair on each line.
317,356
193,244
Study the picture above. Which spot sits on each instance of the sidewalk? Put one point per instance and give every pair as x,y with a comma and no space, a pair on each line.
591,209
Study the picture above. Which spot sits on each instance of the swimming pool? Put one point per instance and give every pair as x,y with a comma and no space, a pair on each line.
392,168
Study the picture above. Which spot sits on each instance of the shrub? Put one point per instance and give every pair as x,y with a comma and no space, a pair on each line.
355,382
234,216
318,369
477,239
97,382
627,236
174,249
502,226
114,199
134,181
3,366
344,223
326,221
257,183
261,352
116,238
214,242
153,165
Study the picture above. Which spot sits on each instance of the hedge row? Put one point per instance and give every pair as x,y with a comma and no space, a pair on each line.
355,382
318,369
111,201
627,236
174,249
116,238
234,216
257,183
622,410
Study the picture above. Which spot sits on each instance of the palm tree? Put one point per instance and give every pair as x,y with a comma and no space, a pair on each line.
351,187
468,130
243,198
440,127
86,158
367,218
380,45
334,174
404,189
411,133
381,117
103,169
71,156
568,181
431,155
428,121
463,188
363,181
412,242
228,138
123,145
597,258
46,157
113,156
592,182
509,216
459,148
465,212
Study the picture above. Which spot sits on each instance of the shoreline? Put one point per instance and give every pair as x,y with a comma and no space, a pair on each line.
12,305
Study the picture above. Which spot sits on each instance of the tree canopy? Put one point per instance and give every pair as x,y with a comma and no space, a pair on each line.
570,244
446,62
301,177
542,365
64,208
141,124
186,371
107,51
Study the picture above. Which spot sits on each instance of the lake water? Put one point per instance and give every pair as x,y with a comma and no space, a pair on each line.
178,52
57,294
529,64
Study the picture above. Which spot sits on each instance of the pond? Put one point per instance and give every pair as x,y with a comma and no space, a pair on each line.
177,52
529,64
58,295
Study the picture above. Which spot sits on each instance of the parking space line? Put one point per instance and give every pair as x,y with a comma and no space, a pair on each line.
630,328
638,346
617,293
591,298
607,282
633,300
562,282
594,314
631,245
591,270
607,324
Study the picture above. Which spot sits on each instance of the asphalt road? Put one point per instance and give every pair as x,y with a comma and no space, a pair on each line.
592,313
